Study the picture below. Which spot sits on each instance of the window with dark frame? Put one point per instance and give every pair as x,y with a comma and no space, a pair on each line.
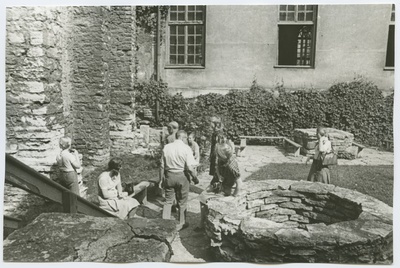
186,31
296,26
390,43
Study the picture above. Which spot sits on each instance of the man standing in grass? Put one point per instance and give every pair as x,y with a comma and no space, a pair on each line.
176,157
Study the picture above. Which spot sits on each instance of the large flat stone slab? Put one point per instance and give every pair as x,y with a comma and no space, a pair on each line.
60,237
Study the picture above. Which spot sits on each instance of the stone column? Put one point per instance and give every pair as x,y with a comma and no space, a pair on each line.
122,77
90,86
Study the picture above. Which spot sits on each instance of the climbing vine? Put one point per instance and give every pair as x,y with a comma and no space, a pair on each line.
357,106
146,17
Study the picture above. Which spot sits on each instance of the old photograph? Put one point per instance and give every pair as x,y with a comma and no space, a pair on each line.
200,133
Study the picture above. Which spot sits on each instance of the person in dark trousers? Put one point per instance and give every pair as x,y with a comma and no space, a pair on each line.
69,165
217,126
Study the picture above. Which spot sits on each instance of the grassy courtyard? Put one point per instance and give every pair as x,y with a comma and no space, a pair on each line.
376,181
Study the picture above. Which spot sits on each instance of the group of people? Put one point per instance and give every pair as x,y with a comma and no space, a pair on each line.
180,157
178,168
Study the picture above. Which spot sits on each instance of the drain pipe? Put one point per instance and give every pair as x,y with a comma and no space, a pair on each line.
157,50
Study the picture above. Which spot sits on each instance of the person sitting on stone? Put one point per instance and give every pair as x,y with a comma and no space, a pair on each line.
69,165
110,195
172,129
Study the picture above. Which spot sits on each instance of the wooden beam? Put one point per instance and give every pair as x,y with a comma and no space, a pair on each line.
11,222
26,178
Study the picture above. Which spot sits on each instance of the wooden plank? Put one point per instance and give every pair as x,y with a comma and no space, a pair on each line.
359,145
11,222
293,143
261,137
26,178
70,202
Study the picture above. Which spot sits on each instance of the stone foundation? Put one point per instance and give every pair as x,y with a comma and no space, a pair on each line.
282,221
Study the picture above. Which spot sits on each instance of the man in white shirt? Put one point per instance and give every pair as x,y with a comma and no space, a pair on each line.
176,157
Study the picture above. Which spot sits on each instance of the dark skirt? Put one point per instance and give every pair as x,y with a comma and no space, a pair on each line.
319,172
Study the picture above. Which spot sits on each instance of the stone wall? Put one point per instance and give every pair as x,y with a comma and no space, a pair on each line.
70,71
283,221
35,110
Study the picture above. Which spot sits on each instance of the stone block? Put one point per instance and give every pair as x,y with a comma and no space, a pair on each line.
268,207
296,200
294,238
279,218
35,52
294,205
258,195
276,199
15,38
299,218
255,203
288,193
105,239
36,38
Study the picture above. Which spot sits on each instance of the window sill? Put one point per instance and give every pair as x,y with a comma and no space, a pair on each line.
184,67
388,68
294,66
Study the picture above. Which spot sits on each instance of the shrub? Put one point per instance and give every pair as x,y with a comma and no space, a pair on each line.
358,107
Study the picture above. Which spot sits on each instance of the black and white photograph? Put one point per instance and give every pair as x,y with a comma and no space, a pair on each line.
198,132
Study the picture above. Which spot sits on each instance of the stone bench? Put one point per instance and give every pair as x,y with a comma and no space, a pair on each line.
287,142
388,144
360,147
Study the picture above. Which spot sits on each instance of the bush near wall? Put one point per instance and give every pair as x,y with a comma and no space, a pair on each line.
358,107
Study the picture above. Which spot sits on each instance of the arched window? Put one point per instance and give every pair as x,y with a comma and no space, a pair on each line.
304,40
296,26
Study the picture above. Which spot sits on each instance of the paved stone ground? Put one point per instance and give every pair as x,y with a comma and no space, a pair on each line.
192,246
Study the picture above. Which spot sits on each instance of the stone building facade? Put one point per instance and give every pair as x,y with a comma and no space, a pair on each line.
228,46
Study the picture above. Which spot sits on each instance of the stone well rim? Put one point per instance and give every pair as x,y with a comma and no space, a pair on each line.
376,218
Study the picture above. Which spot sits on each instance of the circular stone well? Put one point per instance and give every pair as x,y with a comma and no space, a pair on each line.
282,221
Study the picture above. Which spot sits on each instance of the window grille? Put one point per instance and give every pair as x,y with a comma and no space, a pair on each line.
186,35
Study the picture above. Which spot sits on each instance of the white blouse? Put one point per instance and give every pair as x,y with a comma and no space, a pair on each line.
324,146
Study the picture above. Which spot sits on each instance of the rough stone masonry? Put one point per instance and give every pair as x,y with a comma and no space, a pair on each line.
70,70
284,221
